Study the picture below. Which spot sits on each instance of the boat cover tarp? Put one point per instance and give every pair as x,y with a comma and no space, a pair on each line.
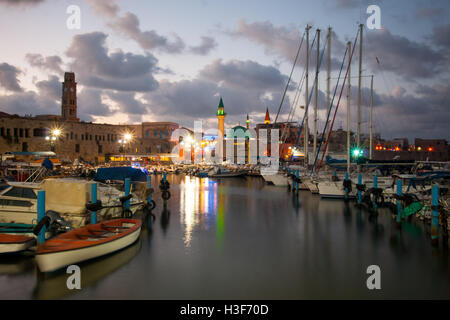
47,163
119,173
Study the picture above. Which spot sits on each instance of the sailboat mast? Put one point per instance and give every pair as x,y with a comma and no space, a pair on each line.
328,76
358,136
349,46
371,120
316,93
306,134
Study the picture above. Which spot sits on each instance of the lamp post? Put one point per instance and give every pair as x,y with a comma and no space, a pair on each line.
127,137
52,138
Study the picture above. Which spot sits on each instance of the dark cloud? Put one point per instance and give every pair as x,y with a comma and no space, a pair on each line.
21,2
424,114
8,77
429,13
96,67
279,40
50,63
128,24
207,44
128,103
285,40
245,86
28,103
90,104
408,59
248,74
352,4
441,36
50,88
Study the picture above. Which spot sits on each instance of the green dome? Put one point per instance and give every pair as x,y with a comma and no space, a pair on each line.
239,132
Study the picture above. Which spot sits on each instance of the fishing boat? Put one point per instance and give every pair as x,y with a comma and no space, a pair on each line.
12,243
217,172
88,242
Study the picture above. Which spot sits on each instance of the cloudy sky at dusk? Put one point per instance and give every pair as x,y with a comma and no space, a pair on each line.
171,60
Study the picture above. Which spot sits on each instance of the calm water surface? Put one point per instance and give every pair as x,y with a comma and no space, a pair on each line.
241,239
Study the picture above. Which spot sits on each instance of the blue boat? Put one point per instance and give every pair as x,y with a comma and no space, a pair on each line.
120,173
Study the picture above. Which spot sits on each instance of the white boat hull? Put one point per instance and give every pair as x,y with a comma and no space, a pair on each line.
49,262
332,189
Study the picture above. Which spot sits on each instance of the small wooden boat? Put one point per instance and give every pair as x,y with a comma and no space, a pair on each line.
11,243
88,242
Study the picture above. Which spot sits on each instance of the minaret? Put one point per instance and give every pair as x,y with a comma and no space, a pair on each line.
267,119
69,97
247,122
221,123
221,118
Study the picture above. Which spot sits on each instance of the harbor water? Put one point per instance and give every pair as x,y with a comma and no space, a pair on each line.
239,238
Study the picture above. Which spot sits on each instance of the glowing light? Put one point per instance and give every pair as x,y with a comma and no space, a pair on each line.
127,136
56,132
419,148
357,152
430,149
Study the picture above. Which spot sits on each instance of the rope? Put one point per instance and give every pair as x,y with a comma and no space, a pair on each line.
340,95
329,111
310,94
290,76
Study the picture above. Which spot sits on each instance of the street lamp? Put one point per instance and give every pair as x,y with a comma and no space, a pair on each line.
54,134
127,137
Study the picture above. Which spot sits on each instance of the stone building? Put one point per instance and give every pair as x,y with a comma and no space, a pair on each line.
73,139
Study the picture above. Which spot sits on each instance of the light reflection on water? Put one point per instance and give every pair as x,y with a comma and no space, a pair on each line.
241,239
198,199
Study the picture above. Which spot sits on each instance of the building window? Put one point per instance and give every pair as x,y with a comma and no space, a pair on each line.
155,133
90,137
40,132
100,149
2,131
8,132
15,132
77,148
76,136
24,147
67,136
71,136
21,132
82,137
27,133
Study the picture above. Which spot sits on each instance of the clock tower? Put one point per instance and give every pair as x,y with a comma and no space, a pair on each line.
69,97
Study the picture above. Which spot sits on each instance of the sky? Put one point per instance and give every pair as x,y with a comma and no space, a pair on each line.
170,60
